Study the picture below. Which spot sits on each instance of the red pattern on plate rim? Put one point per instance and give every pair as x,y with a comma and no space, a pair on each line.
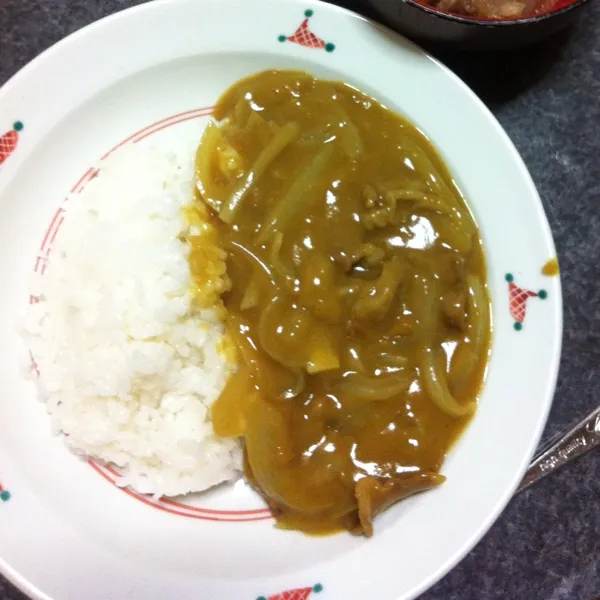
303,36
106,471
4,494
295,594
517,300
9,141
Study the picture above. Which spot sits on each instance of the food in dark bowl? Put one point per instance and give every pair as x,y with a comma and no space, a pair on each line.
478,24
495,9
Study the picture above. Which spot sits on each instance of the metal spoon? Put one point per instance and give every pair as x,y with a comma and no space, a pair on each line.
577,441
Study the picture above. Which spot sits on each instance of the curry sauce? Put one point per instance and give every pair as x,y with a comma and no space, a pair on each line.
357,300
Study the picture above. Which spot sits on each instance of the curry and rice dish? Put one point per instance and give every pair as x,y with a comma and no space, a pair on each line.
339,281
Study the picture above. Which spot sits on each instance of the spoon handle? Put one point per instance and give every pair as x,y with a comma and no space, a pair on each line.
577,441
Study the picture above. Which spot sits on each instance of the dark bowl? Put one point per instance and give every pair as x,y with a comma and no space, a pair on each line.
423,23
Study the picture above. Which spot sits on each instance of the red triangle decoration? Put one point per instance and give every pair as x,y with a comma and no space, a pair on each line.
9,141
303,36
517,300
295,594
4,494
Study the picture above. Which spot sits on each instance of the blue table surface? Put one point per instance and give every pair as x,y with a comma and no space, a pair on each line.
546,544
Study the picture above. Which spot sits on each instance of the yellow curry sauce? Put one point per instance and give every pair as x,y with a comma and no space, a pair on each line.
358,300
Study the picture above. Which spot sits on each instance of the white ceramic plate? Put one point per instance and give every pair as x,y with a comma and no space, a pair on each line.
67,533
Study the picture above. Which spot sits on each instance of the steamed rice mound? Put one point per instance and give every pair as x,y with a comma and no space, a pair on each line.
128,344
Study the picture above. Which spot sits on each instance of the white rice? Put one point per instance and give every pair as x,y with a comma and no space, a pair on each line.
128,366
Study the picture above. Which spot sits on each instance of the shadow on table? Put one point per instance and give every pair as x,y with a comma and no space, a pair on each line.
499,76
